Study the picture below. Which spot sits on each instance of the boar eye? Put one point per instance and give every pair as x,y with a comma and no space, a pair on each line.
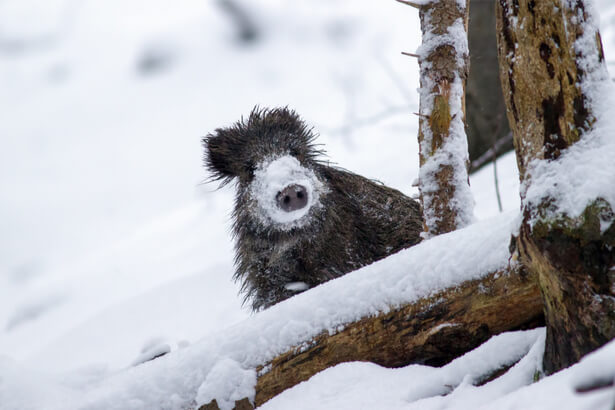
250,168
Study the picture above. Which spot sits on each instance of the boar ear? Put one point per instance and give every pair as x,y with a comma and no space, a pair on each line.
220,158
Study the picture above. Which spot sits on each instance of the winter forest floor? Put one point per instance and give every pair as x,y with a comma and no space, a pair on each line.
113,249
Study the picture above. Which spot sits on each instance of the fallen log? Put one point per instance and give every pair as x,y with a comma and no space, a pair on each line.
432,331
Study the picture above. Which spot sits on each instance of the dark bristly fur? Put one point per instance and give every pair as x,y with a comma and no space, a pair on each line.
359,222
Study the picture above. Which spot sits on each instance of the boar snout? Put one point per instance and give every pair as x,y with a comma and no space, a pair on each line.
292,198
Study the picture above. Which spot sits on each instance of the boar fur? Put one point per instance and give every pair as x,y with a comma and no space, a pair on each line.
353,222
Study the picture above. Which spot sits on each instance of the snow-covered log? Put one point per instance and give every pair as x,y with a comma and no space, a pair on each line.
557,91
433,331
428,304
443,58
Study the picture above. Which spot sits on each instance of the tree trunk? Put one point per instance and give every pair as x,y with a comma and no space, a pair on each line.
485,109
443,177
549,53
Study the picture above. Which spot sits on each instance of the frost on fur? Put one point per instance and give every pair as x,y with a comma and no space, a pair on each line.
273,178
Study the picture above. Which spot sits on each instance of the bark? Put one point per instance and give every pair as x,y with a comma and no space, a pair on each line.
443,58
543,76
486,112
432,331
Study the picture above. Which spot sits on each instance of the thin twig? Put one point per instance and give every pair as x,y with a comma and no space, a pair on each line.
495,178
397,80
495,167
411,54
410,3
367,121
487,156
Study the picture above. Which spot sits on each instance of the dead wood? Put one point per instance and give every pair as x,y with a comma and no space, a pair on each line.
433,331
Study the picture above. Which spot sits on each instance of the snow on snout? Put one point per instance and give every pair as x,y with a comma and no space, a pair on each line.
271,178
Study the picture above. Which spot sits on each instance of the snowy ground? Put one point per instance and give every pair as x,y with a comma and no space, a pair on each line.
110,243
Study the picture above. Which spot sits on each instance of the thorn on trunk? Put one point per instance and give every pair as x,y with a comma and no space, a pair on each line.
411,54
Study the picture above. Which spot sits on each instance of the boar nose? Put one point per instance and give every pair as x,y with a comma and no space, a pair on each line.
292,198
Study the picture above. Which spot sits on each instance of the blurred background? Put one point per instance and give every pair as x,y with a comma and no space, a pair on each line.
110,241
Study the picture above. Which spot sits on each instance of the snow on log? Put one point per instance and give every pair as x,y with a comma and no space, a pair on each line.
432,331
443,58
559,103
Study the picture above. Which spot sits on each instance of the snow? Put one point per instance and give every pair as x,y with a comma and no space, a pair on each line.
175,380
297,286
483,187
272,177
499,352
226,383
27,389
455,36
557,392
112,250
595,369
157,274
152,349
